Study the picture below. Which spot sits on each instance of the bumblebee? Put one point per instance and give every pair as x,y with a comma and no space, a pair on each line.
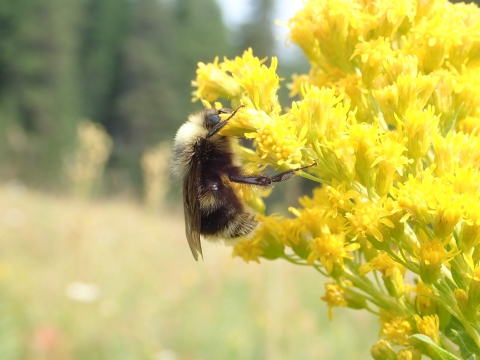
205,163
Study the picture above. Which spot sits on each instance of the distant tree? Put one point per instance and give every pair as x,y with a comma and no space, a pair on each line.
257,31
126,64
38,85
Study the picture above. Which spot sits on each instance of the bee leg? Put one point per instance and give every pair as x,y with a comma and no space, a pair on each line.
267,180
251,180
220,125
289,173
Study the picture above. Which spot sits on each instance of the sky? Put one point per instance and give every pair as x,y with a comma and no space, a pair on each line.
234,12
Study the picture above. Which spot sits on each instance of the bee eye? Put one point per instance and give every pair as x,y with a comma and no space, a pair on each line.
213,119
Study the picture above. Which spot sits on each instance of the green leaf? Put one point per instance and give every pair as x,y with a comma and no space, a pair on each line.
444,354
456,326
463,348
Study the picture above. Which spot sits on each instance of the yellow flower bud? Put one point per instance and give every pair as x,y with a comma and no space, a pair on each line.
449,212
420,127
410,353
432,255
394,283
461,298
474,289
382,351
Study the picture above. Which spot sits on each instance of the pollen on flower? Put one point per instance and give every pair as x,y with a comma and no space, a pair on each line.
334,297
279,143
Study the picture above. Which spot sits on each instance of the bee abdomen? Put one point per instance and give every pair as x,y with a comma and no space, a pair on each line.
228,223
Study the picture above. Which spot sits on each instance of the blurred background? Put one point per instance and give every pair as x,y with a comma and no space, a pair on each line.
93,258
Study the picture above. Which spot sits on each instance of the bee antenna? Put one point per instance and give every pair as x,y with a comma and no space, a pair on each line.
234,112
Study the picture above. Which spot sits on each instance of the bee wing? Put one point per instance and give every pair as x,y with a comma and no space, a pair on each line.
192,207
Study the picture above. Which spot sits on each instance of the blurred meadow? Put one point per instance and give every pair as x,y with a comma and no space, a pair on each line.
110,280
94,263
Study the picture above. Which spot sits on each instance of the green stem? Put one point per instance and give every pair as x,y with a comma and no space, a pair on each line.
384,301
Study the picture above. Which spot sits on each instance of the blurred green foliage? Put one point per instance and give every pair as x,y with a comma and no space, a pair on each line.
125,64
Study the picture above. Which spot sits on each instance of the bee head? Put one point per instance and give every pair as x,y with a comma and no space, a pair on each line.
211,118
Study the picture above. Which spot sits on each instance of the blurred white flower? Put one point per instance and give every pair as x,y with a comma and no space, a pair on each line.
82,292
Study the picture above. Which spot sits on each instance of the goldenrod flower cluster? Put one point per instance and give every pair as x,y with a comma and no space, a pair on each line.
93,150
154,168
390,112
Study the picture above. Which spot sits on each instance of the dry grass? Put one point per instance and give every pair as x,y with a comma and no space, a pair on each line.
109,280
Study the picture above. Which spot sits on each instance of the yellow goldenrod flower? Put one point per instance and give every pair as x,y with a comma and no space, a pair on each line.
372,54
420,126
322,112
330,249
469,236
368,220
390,113
364,137
339,199
260,83
400,65
290,231
432,255
392,273
428,325
397,330
334,297
390,161
213,82
446,150
279,142
409,353
474,289
424,303
461,297
449,211
417,197
249,250
311,220
469,125
87,164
